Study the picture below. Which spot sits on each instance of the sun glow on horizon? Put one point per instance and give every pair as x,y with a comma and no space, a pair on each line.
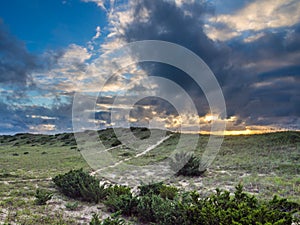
236,132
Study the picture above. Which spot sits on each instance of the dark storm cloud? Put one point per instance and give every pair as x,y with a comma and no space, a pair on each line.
181,25
293,71
29,118
239,66
15,61
16,104
270,87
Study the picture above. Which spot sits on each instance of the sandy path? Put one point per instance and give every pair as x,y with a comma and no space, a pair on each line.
25,180
108,149
150,148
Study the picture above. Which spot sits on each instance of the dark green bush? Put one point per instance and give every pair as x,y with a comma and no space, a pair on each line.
72,205
95,220
78,184
114,220
120,199
152,188
191,168
118,190
168,192
186,164
163,205
42,196
147,206
219,208
159,188
116,143
126,204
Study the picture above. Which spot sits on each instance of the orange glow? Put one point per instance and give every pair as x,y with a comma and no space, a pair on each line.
241,132
245,132
209,118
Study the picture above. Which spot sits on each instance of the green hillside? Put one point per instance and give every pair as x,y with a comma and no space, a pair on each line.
266,164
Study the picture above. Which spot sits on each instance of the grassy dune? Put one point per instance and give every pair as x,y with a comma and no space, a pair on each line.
265,164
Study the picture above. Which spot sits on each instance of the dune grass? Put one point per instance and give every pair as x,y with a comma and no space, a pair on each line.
265,164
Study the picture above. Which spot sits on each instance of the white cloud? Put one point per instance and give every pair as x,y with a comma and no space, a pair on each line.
256,16
100,3
68,71
77,71
42,117
221,34
42,128
75,54
253,37
98,33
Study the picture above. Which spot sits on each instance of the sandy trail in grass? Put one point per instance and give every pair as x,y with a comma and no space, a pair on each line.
108,149
25,180
150,148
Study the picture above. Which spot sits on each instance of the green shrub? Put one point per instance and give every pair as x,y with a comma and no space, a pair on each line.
168,192
78,184
159,188
151,188
155,209
42,196
118,190
163,205
113,220
147,206
126,204
120,199
72,205
116,143
219,208
95,220
186,164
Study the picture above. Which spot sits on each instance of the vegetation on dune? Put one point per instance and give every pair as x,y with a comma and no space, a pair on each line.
113,220
186,164
157,203
265,164
80,185
42,196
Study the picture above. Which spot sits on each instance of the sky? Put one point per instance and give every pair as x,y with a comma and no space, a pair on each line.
54,50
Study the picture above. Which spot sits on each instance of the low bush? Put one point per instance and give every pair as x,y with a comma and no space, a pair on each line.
80,185
118,190
116,143
186,164
113,220
95,220
219,208
72,205
168,192
147,206
42,196
152,188
159,188
126,204
159,204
